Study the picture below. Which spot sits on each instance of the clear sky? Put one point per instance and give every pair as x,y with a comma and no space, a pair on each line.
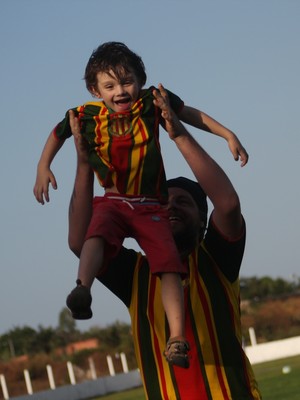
238,61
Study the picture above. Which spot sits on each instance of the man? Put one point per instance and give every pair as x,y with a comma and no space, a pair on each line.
219,368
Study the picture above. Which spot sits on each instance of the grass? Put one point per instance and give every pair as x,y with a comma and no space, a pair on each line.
136,394
274,384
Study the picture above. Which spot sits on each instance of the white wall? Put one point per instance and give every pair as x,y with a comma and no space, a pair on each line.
274,350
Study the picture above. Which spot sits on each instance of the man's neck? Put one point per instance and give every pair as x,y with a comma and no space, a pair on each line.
186,244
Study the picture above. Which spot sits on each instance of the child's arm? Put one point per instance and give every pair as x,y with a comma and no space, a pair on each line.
200,120
44,174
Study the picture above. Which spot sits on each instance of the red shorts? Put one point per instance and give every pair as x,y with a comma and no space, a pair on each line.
146,222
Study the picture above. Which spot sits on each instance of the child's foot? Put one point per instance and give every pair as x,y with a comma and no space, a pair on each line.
176,352
79,302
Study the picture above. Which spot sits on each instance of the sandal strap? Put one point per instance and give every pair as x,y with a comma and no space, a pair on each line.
178,340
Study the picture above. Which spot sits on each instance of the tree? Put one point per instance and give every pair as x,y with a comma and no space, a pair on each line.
66,330
254,288
44,341
18,341
66,323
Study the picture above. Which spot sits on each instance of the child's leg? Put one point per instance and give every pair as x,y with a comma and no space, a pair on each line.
91,259
151,229
177,349
172,298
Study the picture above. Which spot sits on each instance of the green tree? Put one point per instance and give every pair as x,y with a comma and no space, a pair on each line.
18,341
66,323
43,341
254,288
66,331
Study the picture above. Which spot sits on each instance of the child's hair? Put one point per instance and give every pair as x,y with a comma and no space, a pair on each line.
116,57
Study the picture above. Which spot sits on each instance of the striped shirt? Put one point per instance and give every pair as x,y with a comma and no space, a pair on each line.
219,368
124,149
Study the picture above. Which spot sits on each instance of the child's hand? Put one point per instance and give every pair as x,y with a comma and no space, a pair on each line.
237,150
41,188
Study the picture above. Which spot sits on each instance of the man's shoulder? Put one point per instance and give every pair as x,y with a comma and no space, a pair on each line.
226,254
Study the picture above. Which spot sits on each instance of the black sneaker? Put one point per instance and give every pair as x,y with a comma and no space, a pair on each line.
79,302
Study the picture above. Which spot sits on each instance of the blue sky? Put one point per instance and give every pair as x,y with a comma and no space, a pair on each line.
237,61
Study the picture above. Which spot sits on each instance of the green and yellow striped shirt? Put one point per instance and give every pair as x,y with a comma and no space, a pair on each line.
124,149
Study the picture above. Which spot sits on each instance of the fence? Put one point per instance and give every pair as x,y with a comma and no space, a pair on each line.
257,353
89,389
94,387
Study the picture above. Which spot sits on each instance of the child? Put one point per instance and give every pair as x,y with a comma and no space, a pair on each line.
121,132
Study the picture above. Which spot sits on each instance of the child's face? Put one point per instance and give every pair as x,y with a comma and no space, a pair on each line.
119,95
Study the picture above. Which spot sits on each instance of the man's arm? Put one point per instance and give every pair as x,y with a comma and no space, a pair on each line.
80,212
215,183
213,180
80,209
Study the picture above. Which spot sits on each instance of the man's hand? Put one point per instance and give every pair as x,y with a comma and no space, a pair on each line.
162,101
171,122
80,142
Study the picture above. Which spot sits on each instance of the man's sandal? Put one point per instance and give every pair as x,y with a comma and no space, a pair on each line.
176,352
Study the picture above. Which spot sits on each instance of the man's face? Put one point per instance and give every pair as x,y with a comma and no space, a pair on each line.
117,94
184,217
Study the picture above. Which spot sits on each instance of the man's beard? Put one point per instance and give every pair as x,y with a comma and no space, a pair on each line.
186,239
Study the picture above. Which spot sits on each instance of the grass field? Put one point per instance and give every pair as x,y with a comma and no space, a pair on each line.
278,380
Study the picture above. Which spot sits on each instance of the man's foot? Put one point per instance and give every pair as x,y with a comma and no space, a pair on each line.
79,302
176,352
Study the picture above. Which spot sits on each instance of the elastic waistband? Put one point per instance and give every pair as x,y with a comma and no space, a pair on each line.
137,199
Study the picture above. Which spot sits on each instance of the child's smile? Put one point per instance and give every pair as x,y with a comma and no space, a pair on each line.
117,94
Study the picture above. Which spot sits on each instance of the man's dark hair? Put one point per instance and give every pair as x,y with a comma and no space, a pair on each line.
115,57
